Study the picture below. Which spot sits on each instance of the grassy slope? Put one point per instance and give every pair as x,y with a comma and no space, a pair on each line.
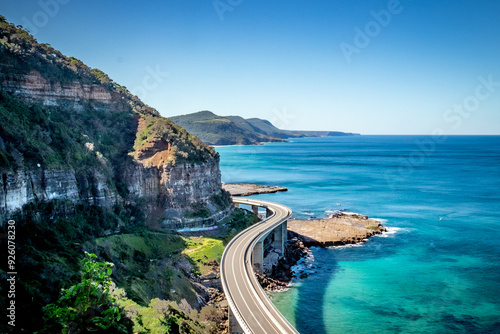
235,130
267,128
204,251
144,264
205,248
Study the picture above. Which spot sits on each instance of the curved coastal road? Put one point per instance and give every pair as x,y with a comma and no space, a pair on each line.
249,303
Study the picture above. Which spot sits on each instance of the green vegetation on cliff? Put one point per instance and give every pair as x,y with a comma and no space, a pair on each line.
185,147
147,265
49,247
205,249
87,305
56,137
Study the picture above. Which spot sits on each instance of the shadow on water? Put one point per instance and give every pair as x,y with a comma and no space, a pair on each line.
309,316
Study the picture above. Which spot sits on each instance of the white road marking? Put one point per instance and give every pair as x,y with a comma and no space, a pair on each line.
242,243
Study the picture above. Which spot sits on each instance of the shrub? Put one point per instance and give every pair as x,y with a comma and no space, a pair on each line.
87,306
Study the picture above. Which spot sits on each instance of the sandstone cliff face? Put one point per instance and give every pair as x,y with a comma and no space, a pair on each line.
75,95
169,193
175,189
170,189
20,188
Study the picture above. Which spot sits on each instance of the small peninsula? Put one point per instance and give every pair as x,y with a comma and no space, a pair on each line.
247,189
340,229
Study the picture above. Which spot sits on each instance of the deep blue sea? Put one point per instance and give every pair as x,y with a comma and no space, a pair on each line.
439,269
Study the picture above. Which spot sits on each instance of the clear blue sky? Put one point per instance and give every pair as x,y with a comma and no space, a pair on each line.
301,64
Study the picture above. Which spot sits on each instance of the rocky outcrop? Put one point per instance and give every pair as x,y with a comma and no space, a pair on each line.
245,189
271,284
340,229
281,273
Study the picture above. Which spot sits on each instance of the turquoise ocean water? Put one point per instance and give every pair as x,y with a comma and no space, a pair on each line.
438,271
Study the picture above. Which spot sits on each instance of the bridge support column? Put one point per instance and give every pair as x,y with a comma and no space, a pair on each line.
236,205
280,236
234,325
258,257
268,212
255,209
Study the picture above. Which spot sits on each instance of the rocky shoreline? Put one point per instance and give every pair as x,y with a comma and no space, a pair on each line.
247,189
278,279
339,229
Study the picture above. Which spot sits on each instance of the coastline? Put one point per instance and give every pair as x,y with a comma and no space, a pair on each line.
429,235
338,230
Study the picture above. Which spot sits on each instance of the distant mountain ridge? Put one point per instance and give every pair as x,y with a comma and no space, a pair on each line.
235,130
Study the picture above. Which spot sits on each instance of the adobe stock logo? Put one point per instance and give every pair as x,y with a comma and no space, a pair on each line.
471,103
151,81
454,117
223,6
363,37
48,9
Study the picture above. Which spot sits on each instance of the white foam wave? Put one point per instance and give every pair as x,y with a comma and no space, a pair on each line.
359,244
333,213
391,231
309,213
304,265
350,213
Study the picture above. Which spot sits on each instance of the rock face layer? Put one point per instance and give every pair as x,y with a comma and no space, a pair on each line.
34,87
23,187
169,193
172,190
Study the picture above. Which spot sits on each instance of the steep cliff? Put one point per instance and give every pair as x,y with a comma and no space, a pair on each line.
68,132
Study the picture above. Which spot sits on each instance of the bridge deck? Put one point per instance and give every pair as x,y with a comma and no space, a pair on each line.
249,303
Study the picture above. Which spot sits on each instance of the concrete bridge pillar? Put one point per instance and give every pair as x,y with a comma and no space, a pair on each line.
280,235
236,205
255,209
268,212
234,325
258,257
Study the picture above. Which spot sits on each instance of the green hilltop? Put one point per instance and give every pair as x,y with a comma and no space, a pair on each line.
56,135
218,130
235,130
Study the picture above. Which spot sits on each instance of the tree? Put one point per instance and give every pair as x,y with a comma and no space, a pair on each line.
87,306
